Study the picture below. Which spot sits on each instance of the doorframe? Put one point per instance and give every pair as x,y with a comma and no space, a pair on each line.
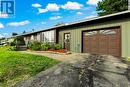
120,28
64,38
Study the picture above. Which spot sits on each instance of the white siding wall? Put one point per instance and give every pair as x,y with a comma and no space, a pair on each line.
38,37
32,37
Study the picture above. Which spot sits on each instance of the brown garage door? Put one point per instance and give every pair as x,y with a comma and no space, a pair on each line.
105,41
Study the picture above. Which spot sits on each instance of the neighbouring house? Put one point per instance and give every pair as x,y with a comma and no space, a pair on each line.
108,34
10,39
2,41
6,40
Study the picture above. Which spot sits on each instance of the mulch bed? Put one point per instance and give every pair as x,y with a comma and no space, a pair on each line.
61,51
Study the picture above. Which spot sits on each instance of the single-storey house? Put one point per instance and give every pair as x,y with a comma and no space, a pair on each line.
108,34
46,35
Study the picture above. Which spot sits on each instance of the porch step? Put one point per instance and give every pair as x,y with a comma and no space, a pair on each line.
22,48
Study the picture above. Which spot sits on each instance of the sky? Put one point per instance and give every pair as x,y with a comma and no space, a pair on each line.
42,14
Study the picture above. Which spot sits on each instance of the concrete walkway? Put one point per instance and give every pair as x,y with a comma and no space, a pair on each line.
60,57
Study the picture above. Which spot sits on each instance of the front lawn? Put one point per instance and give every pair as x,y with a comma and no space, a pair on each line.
16,66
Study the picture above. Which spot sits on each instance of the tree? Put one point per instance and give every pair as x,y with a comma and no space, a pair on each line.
24,32
33,30
60,23
105,7
14,34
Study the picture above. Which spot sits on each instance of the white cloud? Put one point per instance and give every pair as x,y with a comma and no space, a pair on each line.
79,13
1,36
1,25
49,7
42,10
55,17
91,16
52,7
72,5
5,34
43,22
93,2
36,5
18,23
94,12
3,15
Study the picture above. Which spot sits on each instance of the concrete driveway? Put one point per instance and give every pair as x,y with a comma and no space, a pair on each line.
114,71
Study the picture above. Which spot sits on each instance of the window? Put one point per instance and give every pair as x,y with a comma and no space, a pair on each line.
35,37
107,32
48,36
91,33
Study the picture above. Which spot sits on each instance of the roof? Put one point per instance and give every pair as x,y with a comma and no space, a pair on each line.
101,17
82,21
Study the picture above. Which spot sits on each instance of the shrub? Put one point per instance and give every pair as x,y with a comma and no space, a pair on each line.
29,45
12,48
58,46
52,46
17,40
45,46
128,59
12,44
35,45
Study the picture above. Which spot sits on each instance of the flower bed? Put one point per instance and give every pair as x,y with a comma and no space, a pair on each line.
62,51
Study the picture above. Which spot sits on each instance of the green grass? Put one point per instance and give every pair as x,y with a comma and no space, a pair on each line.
16,66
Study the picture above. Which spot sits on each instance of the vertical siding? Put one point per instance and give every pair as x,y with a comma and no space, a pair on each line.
38,36
128,37
127,43
124,39
54,36
76,35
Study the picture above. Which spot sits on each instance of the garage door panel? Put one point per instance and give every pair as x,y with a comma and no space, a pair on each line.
103,51
113,39
113,45
106,41
94,51
114,52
